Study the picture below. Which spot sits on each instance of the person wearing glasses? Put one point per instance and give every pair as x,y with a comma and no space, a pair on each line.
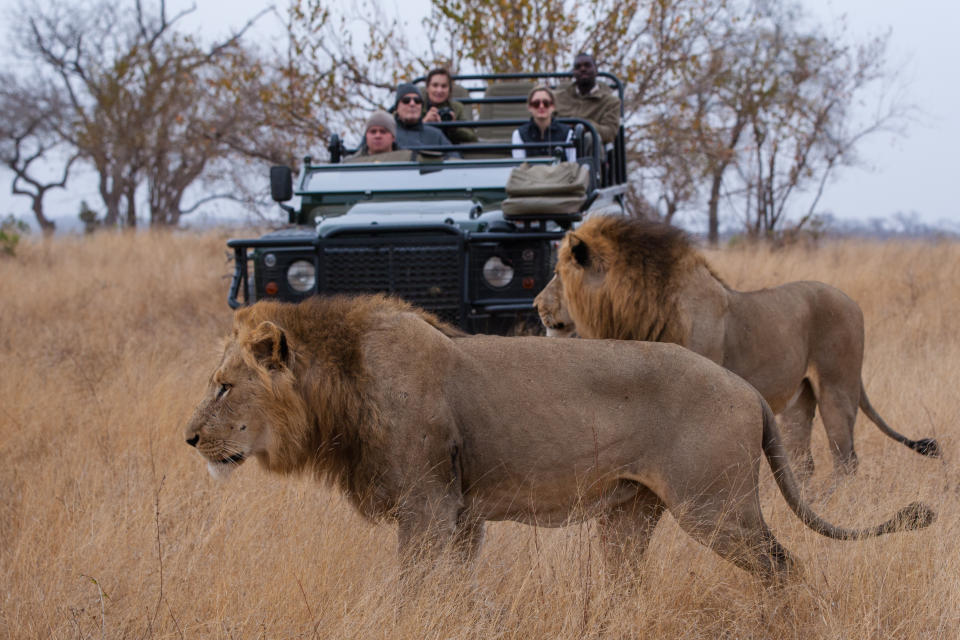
584,98
411,132
542,128
440,107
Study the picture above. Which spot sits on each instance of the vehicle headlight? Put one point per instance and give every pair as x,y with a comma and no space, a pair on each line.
496,272
301,276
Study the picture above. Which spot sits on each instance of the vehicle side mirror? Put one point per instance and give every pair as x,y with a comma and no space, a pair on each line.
281,183
335,148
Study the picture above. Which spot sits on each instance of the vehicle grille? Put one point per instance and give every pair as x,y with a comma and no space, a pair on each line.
427,275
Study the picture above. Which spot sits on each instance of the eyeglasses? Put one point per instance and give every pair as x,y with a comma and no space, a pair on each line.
409,99
536,104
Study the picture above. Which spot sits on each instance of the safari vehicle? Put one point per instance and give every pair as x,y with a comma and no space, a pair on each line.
432,231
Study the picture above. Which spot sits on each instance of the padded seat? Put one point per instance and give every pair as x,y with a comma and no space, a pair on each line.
504,110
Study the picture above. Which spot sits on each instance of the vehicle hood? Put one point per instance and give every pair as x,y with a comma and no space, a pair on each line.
465,214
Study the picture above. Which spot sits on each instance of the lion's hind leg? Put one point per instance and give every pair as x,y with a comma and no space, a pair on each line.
625,532
733,527
838,410
796,425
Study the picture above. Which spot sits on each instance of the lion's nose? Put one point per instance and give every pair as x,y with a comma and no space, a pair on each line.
193,441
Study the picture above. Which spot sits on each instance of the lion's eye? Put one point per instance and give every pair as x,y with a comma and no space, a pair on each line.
223,390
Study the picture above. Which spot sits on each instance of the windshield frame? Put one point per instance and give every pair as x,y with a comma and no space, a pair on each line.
325,201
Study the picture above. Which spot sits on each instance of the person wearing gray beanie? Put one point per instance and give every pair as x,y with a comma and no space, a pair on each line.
379,139
381,118
380,133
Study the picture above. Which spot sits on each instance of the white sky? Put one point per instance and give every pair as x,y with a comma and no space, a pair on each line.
912,173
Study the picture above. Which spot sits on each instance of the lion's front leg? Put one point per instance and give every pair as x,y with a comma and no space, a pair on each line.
426,526
625,532
468,537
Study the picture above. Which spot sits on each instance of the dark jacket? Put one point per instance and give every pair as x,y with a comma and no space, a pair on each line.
530,133
419,134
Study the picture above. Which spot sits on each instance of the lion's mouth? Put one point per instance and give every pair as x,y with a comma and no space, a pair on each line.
223,467
236,458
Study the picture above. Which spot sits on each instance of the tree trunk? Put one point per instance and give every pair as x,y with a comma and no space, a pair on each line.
713,207
46,225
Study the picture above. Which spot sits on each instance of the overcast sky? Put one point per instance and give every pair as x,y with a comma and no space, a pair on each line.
912,173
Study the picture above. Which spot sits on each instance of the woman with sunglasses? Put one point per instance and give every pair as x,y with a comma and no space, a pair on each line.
542,128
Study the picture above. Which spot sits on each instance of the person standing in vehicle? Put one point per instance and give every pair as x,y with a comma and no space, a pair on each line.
440,107
542,128
584,98
411,132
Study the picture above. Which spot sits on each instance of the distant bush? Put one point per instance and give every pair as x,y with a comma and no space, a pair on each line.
11,229
90,219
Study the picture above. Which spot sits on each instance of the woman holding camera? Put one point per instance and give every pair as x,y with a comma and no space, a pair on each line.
439,107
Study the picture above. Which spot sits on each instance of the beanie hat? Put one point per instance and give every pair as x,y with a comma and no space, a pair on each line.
405,89
381,118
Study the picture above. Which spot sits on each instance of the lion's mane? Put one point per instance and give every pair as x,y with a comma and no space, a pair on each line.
645,264
323,418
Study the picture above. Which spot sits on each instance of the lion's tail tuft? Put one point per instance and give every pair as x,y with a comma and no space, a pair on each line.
915,515
927,447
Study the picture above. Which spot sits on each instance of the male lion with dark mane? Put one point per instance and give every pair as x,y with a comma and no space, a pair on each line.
417,423
800,344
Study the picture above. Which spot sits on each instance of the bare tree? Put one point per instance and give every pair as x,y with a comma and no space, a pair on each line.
805,128
28,140
770,99
135,105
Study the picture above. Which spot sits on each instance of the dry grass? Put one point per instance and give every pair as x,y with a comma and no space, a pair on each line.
111,528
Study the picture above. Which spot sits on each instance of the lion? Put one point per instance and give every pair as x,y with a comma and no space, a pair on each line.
800,344
421,425
554,316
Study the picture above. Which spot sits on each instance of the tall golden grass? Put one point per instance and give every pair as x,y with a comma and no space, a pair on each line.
110,526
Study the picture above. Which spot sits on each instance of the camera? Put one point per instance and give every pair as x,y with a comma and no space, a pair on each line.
446,114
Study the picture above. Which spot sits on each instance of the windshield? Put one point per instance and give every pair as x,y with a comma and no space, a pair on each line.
332,189
450,175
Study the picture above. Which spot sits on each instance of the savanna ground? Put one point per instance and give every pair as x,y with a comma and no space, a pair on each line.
110,526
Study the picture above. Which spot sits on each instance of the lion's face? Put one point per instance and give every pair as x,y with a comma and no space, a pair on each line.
237,416
584,281
553,311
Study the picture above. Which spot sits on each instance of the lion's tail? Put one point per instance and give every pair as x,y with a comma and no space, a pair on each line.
926,446
914,516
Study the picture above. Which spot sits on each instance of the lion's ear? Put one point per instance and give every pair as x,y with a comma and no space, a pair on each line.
268,343
579,250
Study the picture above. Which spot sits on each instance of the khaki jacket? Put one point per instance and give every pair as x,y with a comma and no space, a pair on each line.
601,107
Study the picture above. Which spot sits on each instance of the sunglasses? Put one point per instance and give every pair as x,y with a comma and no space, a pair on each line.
536,104
409,99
